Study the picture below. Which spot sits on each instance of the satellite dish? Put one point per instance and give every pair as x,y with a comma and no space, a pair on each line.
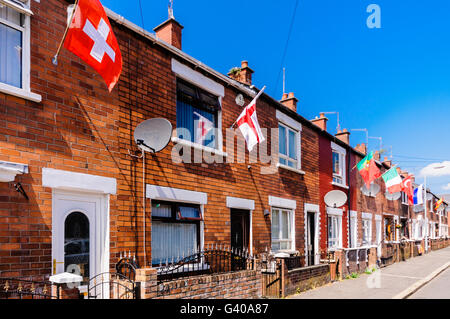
153,135
418,208
394,196
429,196
373,191
335,199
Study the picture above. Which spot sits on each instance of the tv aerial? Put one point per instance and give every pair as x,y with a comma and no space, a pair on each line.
394,196
372,191
335,199
153,135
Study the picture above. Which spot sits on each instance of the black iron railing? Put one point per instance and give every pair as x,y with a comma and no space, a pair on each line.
18,288
212,260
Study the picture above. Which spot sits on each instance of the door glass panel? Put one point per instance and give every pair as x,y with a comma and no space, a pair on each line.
76,244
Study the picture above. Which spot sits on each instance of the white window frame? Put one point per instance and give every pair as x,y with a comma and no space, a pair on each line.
202,82
366,224
405,200
353,242
290,124
25,90
336,215
291,236
342,160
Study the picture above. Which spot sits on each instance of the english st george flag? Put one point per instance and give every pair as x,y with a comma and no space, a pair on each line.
91,38
203,127
249,126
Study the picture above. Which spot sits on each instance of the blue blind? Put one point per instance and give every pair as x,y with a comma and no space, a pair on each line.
189,212
10,56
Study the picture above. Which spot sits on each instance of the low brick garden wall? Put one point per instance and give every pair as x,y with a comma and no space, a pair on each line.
245,284
302,279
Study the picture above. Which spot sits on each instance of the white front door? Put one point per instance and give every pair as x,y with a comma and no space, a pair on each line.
80,233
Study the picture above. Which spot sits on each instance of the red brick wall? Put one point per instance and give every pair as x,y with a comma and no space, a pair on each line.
94,137
56,133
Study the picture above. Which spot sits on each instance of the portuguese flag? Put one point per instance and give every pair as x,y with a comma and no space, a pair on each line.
393,181
368,169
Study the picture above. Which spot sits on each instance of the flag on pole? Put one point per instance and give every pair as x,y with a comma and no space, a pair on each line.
249,126
418,195
368,169
392,180
91,38
438,204
203,127
407,188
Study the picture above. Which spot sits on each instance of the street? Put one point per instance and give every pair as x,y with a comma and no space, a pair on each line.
438,288
396,281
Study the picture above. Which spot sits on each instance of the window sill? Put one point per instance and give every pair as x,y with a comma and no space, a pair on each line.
335,249
199,147
340,185
299,171
24,94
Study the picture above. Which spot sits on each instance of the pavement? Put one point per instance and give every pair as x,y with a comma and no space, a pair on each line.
398,281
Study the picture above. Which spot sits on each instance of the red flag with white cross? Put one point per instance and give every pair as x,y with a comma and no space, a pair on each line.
91,38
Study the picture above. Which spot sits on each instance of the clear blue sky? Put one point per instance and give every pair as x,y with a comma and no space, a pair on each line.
394,81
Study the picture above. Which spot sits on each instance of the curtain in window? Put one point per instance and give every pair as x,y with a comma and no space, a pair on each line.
333,231
186,123
172,240
10,56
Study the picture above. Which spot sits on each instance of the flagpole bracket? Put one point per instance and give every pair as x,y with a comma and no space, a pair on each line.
55,60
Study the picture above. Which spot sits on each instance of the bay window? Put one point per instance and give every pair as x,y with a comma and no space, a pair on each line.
175,231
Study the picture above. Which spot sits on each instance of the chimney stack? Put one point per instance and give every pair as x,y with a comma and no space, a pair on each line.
376,155
242,74
321,122
290,101
362,148
170,32
387,162
344,136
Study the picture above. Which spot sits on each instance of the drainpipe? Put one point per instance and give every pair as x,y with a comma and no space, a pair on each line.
349,198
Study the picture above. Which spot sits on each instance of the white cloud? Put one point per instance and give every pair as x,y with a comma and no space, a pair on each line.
446,187
436,169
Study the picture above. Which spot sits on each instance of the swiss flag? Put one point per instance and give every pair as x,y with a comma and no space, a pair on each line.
407,188
91,38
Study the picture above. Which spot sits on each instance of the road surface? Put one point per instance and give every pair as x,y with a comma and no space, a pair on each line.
438,288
